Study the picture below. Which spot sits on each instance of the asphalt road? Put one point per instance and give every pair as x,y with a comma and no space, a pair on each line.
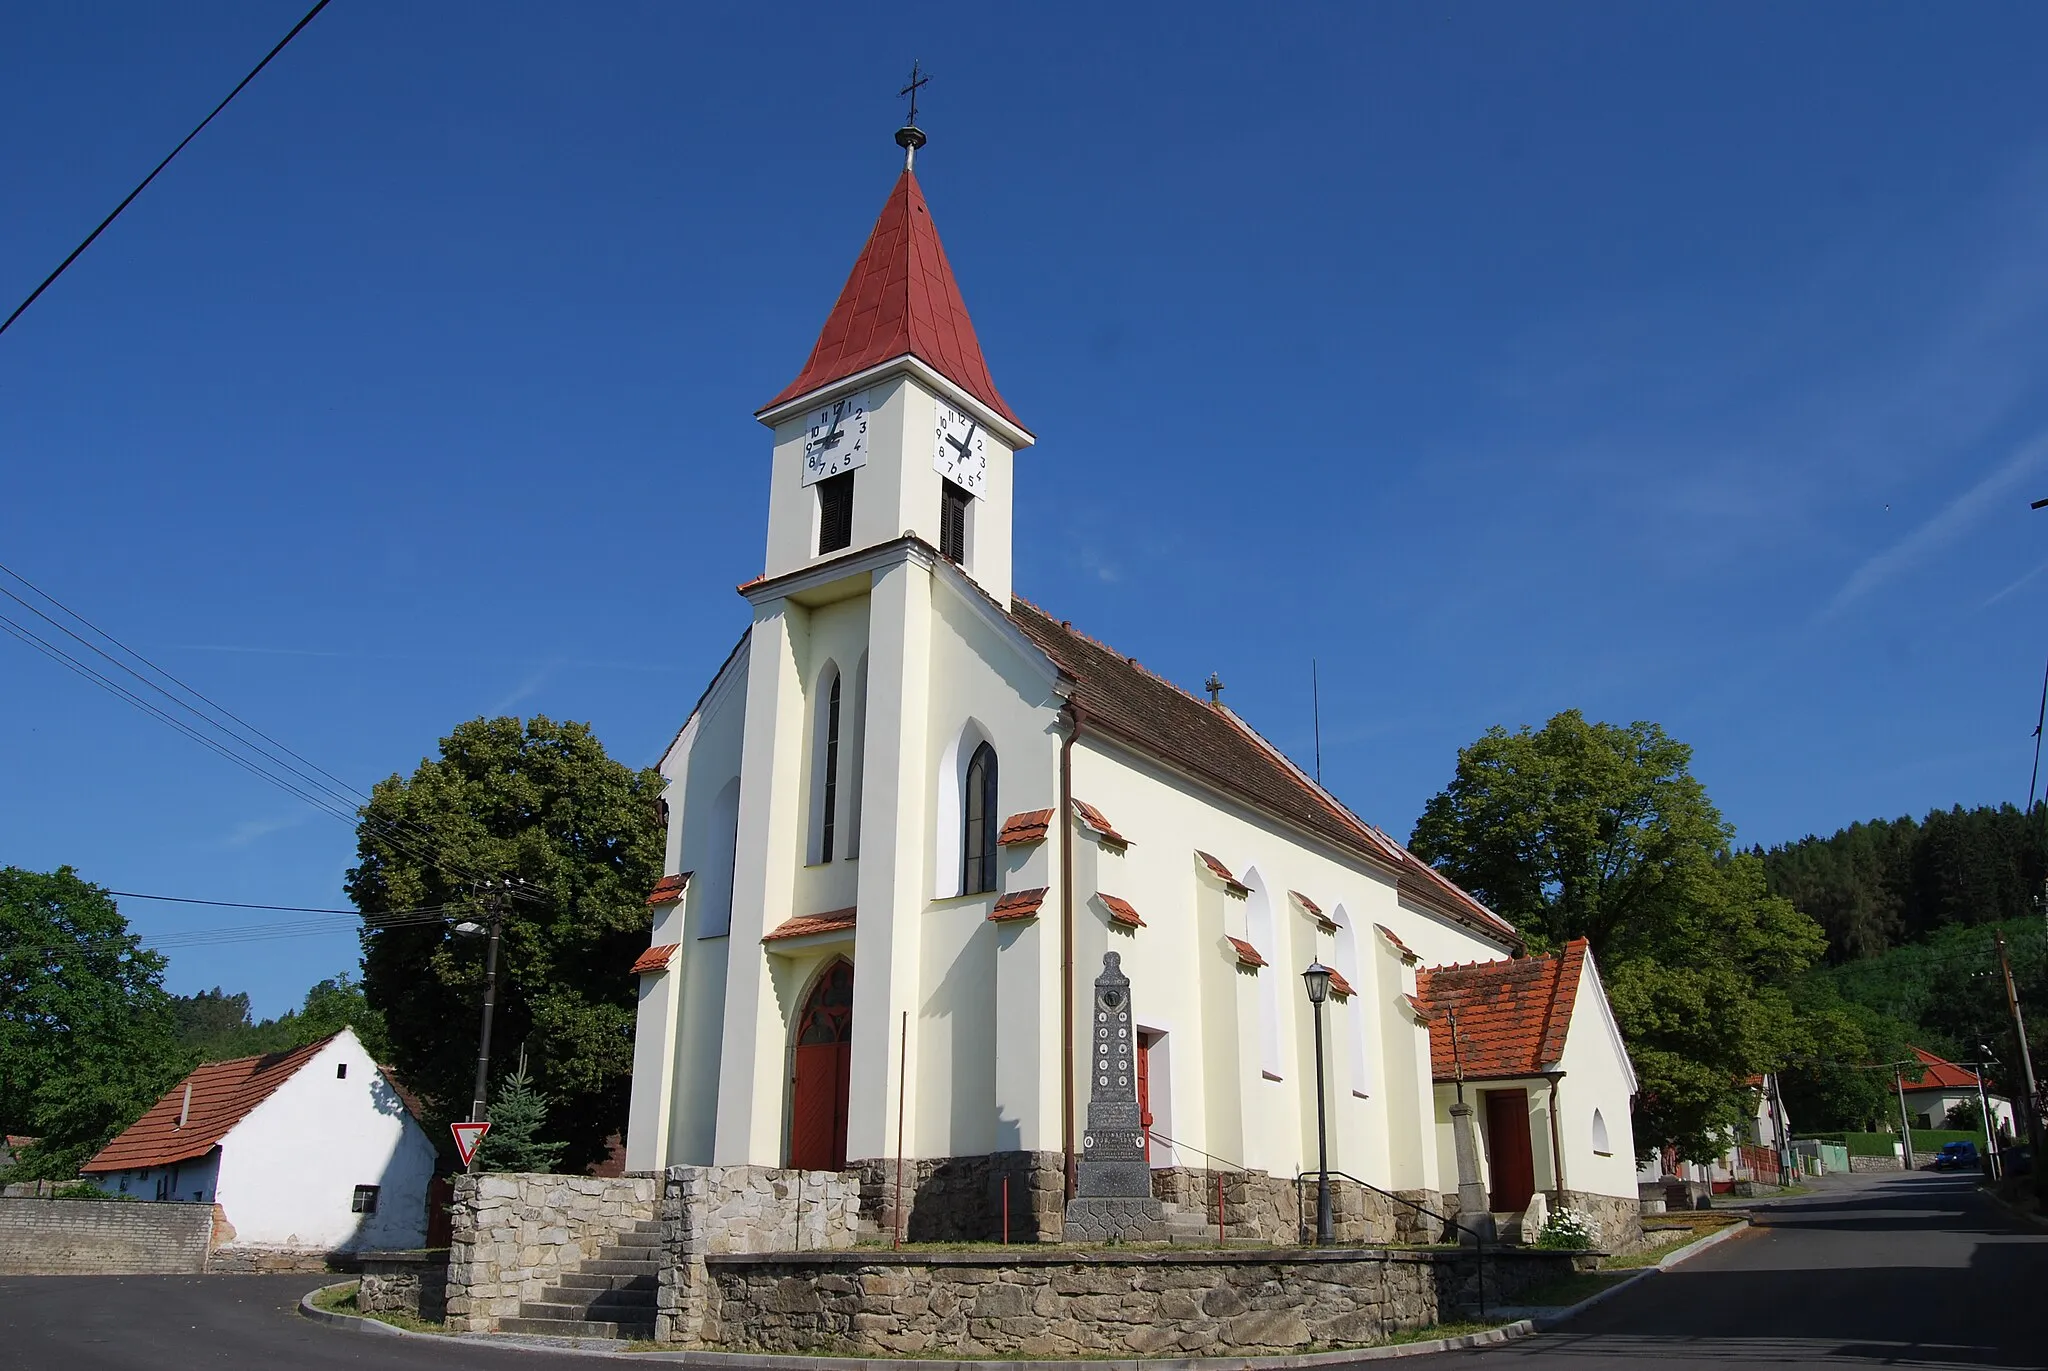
1914,1270
1900,1271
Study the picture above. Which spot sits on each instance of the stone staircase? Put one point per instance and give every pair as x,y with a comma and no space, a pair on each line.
610,1296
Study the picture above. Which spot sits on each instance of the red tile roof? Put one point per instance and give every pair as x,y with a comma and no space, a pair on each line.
654,959
900,300
1421,1012
1406,955
1114,695
1247,955
1512,1015
1018,904
832,921
1937,1073
1092,818
1306,903
1028,827
668,889
1222,873
1340,986
1121,910
223,1094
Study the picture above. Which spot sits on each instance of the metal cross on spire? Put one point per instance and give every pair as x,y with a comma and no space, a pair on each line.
910,137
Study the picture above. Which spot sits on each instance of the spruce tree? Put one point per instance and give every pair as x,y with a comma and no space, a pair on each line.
517,1117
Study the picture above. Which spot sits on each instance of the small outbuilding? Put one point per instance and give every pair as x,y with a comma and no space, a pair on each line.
1534,1049
1943,1085
312,1150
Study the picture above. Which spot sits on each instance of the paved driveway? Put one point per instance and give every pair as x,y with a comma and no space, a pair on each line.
1901,1270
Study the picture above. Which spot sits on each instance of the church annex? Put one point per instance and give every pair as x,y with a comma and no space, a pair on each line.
913,810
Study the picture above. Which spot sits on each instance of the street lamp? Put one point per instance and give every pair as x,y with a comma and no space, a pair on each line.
1317,981
494,902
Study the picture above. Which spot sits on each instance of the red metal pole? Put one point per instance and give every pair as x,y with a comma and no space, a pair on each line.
1006,1211
1219,1207
902,1070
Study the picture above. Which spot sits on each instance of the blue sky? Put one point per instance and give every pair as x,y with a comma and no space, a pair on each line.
1674,363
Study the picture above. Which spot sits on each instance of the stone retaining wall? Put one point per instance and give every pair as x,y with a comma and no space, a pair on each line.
514,1232
1617,1221
270,1261
1040,1303
724,1210
960,1199
1874,1164
44,1237
414,1283
1259,1205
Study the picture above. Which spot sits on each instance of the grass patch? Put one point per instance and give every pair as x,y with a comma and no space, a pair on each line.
341,1299
1569,1290
1438,1330
1664,1244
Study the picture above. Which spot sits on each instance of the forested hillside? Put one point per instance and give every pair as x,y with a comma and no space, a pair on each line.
1878,885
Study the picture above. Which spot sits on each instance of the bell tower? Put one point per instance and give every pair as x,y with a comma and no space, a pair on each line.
894,424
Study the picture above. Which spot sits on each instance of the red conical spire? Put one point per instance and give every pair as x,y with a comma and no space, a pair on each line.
901,300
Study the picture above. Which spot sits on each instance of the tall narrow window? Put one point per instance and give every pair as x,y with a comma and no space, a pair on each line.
953,522
835,512
831,801
978,842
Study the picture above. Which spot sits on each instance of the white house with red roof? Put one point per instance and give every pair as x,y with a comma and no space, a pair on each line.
1942,1086
311,1150
913,810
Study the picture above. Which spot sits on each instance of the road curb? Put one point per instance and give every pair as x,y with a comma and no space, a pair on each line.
731,1361
1545,1322
2022,1215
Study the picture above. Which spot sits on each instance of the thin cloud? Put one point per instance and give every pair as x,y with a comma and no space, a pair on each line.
2014,586
525,690
1952,522
250,830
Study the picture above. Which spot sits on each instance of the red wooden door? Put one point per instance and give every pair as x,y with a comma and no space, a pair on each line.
1145,1091
824,1060
1510,1164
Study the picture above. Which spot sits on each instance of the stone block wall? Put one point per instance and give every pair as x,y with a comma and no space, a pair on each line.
45,1237
270,1261
1617,1221
1874,1164
741,1209
514,1232
414,1283
960,1199
1040,1303
1259,1205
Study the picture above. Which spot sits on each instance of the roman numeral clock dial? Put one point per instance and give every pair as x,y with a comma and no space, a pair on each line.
960,450
836,438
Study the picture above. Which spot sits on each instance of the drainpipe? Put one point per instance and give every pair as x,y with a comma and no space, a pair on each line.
1066,831
1556,1146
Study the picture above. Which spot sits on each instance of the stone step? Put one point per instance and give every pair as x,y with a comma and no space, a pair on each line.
638,1238
604,1266
591,1280
629,1256
630,1305
577,1328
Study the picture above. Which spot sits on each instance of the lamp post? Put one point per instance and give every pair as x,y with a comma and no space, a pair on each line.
1317,980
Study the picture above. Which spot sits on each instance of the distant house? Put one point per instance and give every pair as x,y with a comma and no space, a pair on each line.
308,1150
1943,1085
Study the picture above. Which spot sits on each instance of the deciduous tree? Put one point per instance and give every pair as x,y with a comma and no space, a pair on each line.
542,803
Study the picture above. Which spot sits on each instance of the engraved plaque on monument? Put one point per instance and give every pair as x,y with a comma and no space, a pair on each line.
1113,1188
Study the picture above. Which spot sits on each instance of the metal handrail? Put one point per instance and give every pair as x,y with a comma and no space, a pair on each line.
1210,1156
1478,1233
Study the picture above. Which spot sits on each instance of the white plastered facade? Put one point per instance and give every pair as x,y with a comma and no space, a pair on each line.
954,1013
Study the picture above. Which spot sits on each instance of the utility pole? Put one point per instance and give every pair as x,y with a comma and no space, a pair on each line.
494,901
1990,1124
2019,1028
1905,1127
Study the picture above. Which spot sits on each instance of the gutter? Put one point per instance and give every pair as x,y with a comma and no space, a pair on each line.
1072,712
1556,1146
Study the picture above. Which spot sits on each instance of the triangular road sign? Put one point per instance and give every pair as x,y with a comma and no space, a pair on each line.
468,1137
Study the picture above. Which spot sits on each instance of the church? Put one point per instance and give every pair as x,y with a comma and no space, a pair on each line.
913,810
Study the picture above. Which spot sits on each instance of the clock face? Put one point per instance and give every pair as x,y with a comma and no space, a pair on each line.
836,438
960,449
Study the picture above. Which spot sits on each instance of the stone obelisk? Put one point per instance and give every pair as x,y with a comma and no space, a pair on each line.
1113,1190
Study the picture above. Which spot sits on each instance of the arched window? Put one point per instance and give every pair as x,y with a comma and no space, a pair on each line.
830,817
1601,1147
978,823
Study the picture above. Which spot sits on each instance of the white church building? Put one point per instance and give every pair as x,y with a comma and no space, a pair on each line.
913,810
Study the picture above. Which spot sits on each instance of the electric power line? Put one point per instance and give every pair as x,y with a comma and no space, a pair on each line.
144,185
235,904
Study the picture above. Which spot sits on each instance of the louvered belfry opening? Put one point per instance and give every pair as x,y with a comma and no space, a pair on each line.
835,512
953,522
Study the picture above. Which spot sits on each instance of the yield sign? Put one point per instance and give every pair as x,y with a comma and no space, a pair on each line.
468,1137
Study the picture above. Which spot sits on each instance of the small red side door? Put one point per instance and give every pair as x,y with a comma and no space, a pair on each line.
1145,1091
